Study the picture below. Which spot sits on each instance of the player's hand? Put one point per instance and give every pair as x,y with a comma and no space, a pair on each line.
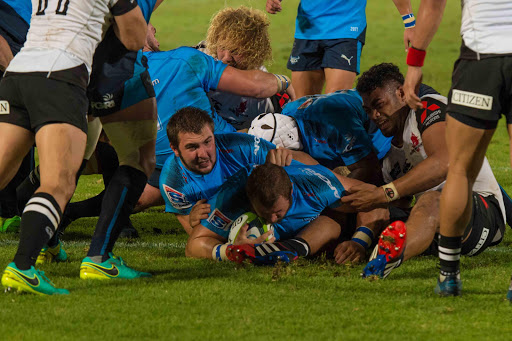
411,87
291,92
349,251
273,6
242,237
408,35
365,197
199,211
279,156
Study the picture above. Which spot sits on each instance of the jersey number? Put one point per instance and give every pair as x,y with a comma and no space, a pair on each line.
62,9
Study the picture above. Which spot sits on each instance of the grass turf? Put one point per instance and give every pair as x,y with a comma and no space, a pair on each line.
201,299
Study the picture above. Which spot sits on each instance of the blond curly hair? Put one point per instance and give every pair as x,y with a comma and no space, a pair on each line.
242,31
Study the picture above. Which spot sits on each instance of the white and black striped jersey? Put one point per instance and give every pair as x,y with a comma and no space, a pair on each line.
487,25
65,33
400,160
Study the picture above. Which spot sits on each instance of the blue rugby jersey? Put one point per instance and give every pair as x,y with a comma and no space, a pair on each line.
314,189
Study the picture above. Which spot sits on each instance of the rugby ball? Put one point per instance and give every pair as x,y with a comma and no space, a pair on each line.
257,227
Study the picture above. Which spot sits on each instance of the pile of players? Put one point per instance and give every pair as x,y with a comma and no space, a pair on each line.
207,131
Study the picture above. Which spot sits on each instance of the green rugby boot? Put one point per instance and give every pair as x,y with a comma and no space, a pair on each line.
52,254
32,281
12,225
114,267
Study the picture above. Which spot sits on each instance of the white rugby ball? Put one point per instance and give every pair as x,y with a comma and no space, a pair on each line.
257,227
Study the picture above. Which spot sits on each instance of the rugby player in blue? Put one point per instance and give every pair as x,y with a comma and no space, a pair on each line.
291,198
329,36
333,128
202,162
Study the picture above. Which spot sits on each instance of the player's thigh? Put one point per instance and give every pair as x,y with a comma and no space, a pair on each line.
305,63
132,132
341,63
486,227
15,142
308,82
320,232
466,147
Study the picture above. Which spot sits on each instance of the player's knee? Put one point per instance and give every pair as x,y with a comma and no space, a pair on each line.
61,184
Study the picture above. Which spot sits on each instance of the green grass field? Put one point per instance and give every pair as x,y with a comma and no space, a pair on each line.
317,300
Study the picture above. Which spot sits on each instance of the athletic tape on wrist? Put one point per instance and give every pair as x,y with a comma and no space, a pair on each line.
283,82
363,236
219,252
390,192
415,57
409,20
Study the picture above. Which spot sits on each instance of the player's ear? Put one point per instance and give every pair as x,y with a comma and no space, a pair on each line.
175,150
400,93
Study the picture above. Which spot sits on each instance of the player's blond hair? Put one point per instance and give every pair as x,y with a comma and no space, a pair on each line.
241,30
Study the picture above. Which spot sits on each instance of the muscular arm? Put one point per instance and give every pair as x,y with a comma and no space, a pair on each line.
367,169
431,171
253,83
5,54
201,242
131,29
404,8
184,221
428,20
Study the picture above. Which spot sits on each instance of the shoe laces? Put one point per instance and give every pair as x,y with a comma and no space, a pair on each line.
41,273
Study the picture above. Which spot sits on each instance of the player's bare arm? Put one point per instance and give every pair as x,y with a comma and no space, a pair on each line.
131,29
405,9
5,54
253,83
199,211
427,174
429,18
184,220
364,169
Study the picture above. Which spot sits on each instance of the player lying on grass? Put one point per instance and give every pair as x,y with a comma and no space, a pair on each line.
183,77
202,161
416,165
239,37
291,198
332,129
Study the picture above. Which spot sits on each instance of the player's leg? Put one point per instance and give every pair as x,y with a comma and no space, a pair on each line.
151,195
318,235
422,225
5,54
132,132
341,62
466,147
308,82
204,243
305,63
338,80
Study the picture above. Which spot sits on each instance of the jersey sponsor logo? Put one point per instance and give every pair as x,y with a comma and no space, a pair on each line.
5,109
310,219
294,60
178,200
347,59
415,141
471,99
354,29
155,82
432,109
351,140
481,242
322,177
306,104
219,220
256,145
108,102
322,141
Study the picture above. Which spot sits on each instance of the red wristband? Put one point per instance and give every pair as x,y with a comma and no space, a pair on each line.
415,57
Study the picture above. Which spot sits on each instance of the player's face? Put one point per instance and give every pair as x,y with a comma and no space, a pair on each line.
273,214
382,106
231,58
197,151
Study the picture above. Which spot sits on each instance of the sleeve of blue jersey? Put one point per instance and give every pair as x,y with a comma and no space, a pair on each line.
173,191
228,203
214,70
